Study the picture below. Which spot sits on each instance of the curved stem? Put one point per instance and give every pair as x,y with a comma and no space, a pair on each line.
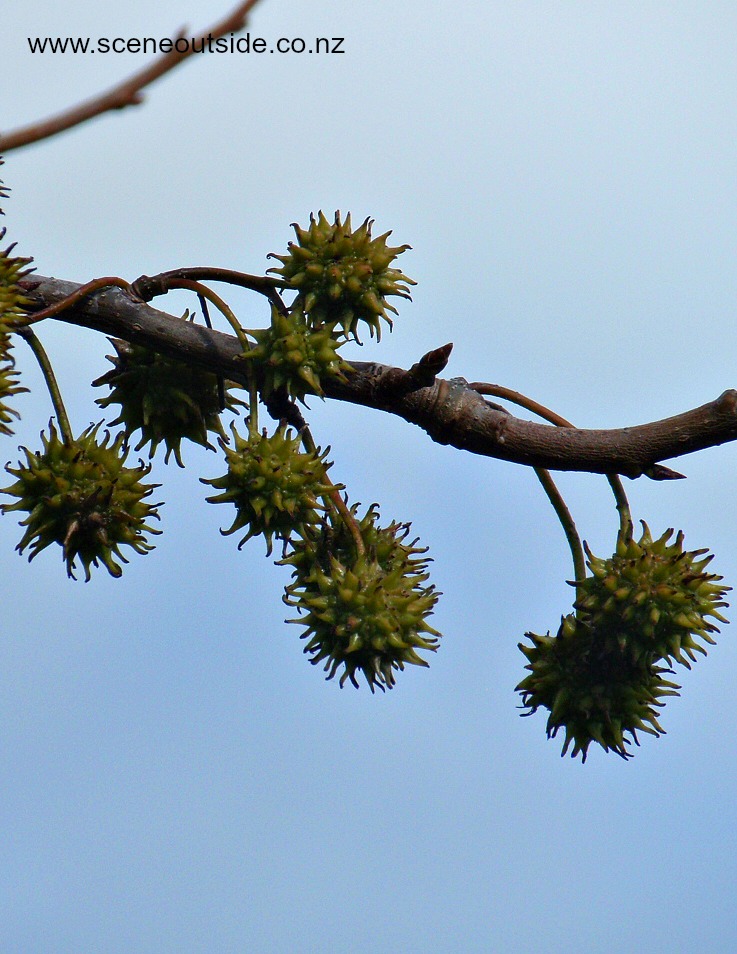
516,397
217,301
566,521
82,292
339,507
151,286
51,382
623,506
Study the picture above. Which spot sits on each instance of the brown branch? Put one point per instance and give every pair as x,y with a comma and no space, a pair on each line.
449,411
127,93
656,472
148,287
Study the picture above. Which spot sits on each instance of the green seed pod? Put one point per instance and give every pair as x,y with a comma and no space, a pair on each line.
641,609
343,277
9,385
592,688
82,497
362,612
13,303
167,400
275,488
292,355
653,597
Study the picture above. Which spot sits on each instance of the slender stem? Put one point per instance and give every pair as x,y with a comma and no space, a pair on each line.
82,292
516,397
252,403
623,506
51,382
566,521
347,517
339,506
218,302
153,285
308,441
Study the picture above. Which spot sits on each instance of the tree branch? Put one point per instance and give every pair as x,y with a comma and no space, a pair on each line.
450,411
127,93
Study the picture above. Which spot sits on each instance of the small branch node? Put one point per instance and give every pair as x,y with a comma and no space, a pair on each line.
395,382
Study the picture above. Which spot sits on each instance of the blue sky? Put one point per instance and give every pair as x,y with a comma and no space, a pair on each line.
175,775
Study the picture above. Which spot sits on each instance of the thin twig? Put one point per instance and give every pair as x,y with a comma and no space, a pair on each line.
127,93
148,287
516,397
83,291
204,292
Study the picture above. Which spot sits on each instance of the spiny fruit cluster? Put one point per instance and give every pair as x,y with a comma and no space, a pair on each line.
654,598
362,611
9,385
276,488
343,277
80,495
601,677
13,303
592,688
166,399
292,355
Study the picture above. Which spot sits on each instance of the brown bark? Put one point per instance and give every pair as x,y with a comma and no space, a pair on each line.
448,410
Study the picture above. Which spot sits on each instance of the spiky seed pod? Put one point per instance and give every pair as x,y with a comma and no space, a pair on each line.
363,613
167,400
82,497
9,385
13,303
275,487
653,598
593,689
343,277
291,354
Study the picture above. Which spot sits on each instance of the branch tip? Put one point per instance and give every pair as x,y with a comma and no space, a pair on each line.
661,472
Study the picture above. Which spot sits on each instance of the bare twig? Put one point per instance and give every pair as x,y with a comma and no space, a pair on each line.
84,291
127,93
149,286
449,411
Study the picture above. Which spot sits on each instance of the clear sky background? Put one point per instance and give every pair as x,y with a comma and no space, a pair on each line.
175,776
